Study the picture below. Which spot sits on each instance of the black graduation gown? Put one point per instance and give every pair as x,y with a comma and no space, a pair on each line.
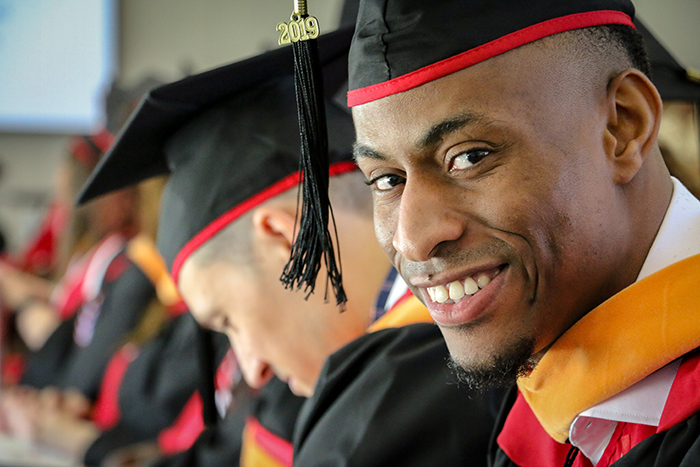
275,408
61,362
218,446
125,301
677,447
44,366
156,386
389,399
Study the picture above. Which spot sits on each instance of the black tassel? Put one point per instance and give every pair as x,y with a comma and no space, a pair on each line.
313,243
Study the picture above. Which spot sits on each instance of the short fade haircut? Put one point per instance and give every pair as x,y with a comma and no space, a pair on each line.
614,46
600,52
624,38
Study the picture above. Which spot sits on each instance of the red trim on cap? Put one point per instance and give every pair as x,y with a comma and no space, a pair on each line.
237,211
483,52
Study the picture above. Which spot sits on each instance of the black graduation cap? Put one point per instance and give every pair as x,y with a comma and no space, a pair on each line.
229,139
672,80
348,13
401,44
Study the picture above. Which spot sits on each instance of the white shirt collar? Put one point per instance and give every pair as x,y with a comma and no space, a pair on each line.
678,238
679,235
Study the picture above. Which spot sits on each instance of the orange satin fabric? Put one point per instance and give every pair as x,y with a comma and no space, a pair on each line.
408,311
634,333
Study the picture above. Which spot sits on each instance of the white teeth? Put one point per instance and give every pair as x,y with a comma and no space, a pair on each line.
441,294
456,290
482,281
470,286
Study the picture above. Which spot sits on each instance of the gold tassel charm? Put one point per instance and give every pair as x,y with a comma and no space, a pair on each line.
301,26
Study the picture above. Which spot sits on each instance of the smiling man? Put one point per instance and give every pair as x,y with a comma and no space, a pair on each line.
229,138
519,190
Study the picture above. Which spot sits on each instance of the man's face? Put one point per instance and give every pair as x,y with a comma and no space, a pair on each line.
267,337
494,199
275,330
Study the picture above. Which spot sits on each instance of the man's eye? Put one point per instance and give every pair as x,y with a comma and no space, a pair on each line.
385,182
468,158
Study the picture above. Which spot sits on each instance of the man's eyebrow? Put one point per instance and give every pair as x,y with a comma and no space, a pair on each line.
432,136
444,128
360,150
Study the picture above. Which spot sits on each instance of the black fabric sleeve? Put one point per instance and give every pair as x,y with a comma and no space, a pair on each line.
158,383
217,446
277,409
155,388
388,398
108,442
45,366
125,300
677,447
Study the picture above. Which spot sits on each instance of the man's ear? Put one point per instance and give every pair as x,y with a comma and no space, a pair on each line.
273,230
634,114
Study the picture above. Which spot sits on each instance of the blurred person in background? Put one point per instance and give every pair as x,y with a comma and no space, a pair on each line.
97,408
48,286
73,326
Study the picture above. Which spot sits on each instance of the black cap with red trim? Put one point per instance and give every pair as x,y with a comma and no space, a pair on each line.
401,44
229,139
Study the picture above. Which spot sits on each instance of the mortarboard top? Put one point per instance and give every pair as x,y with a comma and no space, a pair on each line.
401,44
348,14
229,139
670,78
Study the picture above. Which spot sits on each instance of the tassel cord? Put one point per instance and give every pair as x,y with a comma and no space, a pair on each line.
313,243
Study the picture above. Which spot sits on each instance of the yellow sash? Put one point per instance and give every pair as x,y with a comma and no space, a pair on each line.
408,311
625,339
145,255
262,448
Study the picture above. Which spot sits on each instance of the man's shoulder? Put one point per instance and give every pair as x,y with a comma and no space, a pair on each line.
388,398
367,368
386,347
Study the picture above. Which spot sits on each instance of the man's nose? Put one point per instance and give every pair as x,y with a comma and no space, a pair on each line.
426,219
256,372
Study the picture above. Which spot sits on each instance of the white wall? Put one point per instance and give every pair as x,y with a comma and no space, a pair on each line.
174,36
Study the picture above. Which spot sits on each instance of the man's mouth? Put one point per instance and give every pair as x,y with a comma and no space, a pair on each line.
457,290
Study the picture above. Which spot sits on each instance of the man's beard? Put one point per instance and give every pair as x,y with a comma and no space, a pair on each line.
500,370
